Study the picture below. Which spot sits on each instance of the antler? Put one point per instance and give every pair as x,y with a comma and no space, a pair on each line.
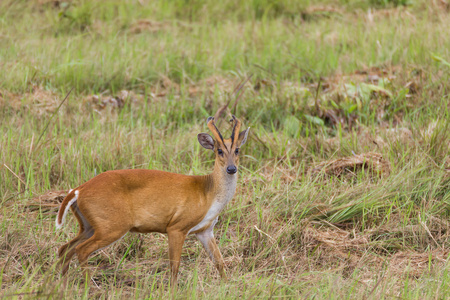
236,129
212,126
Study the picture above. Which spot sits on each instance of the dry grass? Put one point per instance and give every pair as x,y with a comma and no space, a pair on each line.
344,186
367,162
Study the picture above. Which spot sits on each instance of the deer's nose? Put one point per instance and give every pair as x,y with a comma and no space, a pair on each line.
231,169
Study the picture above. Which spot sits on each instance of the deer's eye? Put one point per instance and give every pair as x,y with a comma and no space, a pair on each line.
220,151
236,151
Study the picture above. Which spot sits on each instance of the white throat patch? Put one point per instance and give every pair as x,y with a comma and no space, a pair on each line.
219,202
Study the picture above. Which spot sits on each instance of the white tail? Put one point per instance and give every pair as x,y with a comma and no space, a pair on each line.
116,202
65,208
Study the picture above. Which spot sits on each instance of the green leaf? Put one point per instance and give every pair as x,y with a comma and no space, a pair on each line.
334,104
440,60
292,125
376,88
315,120
352,108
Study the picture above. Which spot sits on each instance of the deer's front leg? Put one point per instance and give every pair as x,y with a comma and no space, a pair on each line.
176,240
207,239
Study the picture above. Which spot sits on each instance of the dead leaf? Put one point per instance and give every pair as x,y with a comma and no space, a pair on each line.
371,161
124,97
50,201
148,26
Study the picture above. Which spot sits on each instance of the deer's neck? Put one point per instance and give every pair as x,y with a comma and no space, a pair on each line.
221,188
224,186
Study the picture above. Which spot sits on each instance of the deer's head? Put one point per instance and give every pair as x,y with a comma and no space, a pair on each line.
226,150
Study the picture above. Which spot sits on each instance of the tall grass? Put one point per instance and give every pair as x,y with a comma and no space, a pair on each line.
291,231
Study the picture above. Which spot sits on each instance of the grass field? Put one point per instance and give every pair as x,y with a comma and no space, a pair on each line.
344,184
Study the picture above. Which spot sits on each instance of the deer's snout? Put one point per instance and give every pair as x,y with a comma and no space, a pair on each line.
231,170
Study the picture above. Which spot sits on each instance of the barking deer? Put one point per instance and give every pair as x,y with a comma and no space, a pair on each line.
115,202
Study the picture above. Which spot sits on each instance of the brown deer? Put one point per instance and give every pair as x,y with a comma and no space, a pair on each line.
113,203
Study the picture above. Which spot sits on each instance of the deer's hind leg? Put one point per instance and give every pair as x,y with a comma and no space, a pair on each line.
67,251
99,240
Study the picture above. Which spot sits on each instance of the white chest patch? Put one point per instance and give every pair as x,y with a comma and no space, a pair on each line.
219,203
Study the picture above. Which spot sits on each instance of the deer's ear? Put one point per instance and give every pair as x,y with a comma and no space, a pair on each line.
206,141
243,137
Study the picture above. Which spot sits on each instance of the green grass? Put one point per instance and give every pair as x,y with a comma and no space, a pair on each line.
103,52
290,232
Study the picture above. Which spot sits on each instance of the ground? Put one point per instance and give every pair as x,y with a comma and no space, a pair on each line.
344,183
